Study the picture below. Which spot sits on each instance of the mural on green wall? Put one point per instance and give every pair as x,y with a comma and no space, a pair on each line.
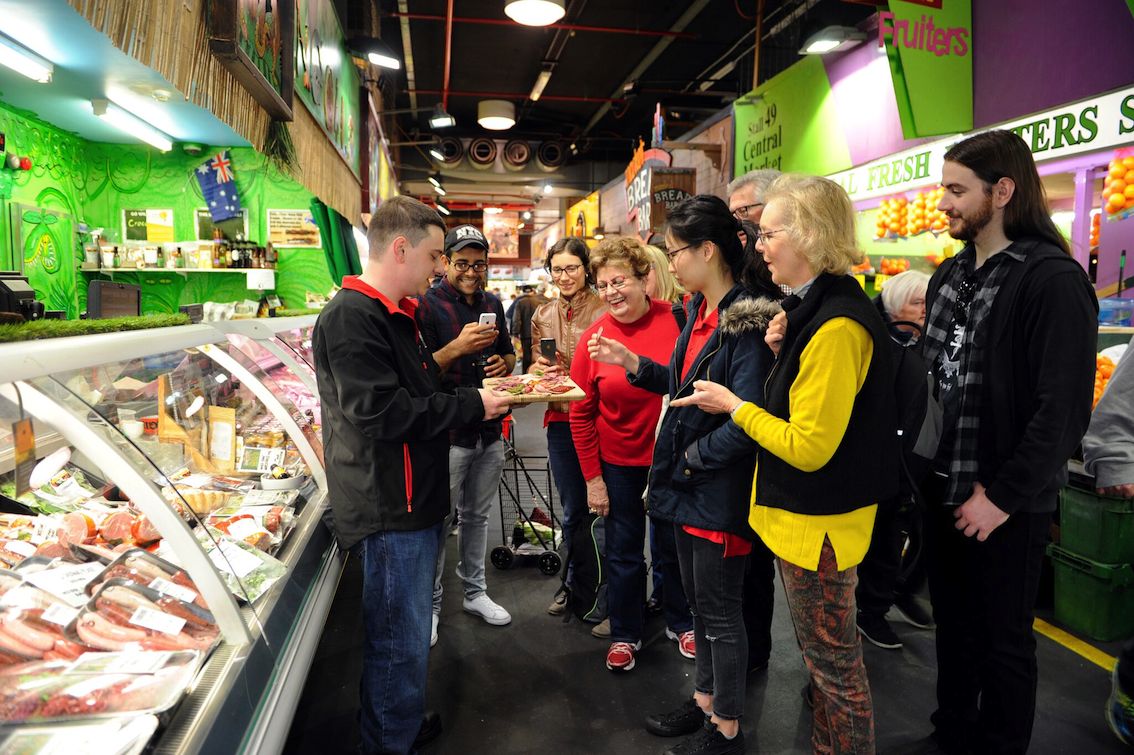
73,181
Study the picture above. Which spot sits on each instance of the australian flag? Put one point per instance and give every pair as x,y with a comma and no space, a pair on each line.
217,184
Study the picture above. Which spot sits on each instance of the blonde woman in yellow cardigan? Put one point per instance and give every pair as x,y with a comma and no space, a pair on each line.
828,439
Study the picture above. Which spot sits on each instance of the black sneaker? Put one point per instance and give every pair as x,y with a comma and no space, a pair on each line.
677,723
430,728
910,610
878,631
709,741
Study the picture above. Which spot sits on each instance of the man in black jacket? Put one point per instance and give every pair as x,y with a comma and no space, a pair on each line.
1011,333
386,444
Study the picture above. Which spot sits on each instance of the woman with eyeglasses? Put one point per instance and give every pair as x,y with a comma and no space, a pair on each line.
564,320
703,464
827,440
613,430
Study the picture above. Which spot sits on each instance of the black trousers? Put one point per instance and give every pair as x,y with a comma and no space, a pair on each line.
983,597
880,579
1126,668
759,599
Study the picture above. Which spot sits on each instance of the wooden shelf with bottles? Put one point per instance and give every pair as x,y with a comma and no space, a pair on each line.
113,270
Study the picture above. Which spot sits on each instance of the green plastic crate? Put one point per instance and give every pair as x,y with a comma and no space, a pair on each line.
1092,598
1097,527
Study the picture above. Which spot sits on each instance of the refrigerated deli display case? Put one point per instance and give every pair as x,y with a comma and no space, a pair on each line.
165,571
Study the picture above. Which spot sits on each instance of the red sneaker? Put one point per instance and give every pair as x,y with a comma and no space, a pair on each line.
621,655
686,645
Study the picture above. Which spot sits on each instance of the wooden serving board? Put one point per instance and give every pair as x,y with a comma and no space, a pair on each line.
575,394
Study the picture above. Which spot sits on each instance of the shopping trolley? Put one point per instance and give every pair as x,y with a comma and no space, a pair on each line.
530,528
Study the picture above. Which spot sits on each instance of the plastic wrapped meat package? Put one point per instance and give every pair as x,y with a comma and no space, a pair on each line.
127,735
123,615
32,623
247,571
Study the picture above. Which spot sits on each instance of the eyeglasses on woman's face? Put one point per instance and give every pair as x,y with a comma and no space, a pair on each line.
462,266
763,235
568,269
616,284
673,255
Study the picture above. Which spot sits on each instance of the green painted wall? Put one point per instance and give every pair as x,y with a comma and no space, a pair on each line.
74,180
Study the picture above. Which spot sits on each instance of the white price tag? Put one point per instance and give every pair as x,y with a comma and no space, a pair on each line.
46,528
135,662
66,582
67,741
57,613
242,528
20,596
21,548
157,621
230,557
165,587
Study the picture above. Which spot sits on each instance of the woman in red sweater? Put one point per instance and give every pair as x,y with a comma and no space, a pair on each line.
613,429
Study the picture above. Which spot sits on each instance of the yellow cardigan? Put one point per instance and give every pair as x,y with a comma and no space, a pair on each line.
832,369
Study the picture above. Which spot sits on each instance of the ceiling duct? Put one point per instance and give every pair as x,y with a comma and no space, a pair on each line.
551,155
482,153
517,154
452,150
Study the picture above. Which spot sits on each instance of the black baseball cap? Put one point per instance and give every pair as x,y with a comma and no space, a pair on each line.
462,236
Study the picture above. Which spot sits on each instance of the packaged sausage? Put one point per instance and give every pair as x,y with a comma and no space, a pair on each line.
123,615
32,623
143,568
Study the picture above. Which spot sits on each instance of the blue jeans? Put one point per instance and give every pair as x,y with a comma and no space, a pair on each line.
625,545
569,482
474,485
397,586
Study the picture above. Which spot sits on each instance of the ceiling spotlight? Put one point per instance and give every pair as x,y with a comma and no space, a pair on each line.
435,180
22,60
598,234
547,188
527,215
131,124
376,51
535,12
441,208
440,118
832,39
435,153
496,115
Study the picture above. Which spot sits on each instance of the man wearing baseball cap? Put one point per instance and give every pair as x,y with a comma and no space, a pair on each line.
467,353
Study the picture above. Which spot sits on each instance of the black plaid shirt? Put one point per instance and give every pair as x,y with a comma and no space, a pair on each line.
441,314
955,336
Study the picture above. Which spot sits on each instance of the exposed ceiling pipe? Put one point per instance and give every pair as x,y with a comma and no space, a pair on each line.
519,96
448,18
759,34
448,54
686,18
407,52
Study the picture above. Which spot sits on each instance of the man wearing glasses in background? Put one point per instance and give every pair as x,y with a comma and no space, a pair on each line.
746,200
468,352
1011,329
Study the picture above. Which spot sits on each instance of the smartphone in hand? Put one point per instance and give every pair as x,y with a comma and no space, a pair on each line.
487,318
547,349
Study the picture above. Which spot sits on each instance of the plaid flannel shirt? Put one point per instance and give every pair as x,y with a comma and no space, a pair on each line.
955,338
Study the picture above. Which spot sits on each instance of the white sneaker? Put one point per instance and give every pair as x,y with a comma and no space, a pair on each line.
484,607
433,635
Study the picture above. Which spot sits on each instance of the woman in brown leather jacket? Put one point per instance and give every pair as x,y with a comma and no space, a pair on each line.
565,319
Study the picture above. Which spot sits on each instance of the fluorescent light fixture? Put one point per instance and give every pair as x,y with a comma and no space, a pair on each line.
131,124
440,190
435,153
540,82
376,51
23,61
435,181
384,61
832,39
493,210
441,208
440,118
496,115
535,12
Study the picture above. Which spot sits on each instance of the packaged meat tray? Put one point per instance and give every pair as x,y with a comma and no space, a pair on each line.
32,624
140,567
127,735
51,692
248,571
124,616
261,526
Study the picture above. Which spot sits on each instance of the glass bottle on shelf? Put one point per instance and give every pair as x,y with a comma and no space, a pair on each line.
270,256
160,256
117,259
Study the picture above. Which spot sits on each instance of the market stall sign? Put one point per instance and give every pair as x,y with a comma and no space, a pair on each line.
929,46
1097,123
293,228
147,225
378,181
326,80
790,123
668,188
255,41
638,198
583,218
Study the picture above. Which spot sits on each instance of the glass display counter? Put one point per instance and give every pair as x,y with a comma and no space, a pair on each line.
168,521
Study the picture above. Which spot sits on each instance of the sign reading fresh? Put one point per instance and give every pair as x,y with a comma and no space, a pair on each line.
929,46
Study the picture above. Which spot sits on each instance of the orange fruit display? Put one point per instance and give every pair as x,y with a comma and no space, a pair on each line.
1104,368
1118,186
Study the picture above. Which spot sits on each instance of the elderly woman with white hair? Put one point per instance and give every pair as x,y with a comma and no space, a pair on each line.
903,302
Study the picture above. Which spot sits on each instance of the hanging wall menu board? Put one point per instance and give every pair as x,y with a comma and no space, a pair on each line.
293,228
147,225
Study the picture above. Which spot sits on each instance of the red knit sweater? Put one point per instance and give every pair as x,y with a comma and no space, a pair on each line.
616,422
